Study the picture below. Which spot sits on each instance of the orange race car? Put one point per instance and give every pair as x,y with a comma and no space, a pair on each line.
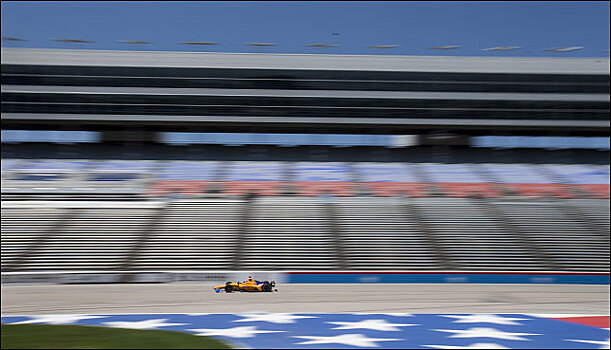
250,285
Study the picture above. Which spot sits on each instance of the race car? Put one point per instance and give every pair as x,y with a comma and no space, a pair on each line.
250,285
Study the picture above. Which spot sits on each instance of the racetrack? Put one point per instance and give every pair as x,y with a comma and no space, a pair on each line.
306,298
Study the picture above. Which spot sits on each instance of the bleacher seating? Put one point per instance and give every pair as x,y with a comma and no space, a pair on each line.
117,173
569,244
194,235
459,180
593,212
579,174
9,164
390,179
260,178
378,234
288,233
516,173
593,180
188,170
527,180
22,227
255,171
44,170
184,177
595,190
59,166
315,178
391,189
386,172
272,178
327,171
76,176
91,239
305,233
472,239
459,173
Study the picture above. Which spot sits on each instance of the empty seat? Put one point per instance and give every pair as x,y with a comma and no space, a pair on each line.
471,239
285,234
567,242
91,239
22,227
193,234
378,234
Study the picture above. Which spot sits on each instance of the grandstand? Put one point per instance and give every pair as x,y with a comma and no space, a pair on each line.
147,161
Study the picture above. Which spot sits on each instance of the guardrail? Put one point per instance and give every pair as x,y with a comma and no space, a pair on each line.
501,277
483,277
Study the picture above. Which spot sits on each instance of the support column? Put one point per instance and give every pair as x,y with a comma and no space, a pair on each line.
42,239
575,213
147,232
414,215
247,212
336,233
529,245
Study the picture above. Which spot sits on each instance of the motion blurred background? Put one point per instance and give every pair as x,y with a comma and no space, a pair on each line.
286,136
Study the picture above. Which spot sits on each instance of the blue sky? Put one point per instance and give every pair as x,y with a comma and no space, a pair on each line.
352,25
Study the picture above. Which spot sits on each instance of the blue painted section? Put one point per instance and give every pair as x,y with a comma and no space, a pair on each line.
447,278
452,173
177,170
55,136
516,173
548,142
581,174
399,330
40,177
254,171
113,177
386,172
339,140
126,165
314,171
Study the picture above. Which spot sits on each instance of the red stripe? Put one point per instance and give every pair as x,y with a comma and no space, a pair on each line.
594,321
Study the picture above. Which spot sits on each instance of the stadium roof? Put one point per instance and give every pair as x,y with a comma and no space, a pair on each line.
538,65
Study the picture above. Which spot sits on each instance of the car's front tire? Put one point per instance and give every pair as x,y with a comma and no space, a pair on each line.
228,288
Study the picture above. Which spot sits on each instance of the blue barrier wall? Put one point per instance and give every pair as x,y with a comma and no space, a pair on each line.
447,278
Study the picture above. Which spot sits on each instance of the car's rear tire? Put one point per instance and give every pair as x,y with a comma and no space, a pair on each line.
228,288
266,287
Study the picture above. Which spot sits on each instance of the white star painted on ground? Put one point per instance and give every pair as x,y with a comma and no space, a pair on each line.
472,346
487,318
603,344
57,319
236,332
376,325
347,339
271,317
146,324
484,333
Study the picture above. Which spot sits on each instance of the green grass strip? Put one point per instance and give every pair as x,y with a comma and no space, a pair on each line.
32,336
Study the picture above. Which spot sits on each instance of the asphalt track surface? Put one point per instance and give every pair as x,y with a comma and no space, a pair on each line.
306,298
